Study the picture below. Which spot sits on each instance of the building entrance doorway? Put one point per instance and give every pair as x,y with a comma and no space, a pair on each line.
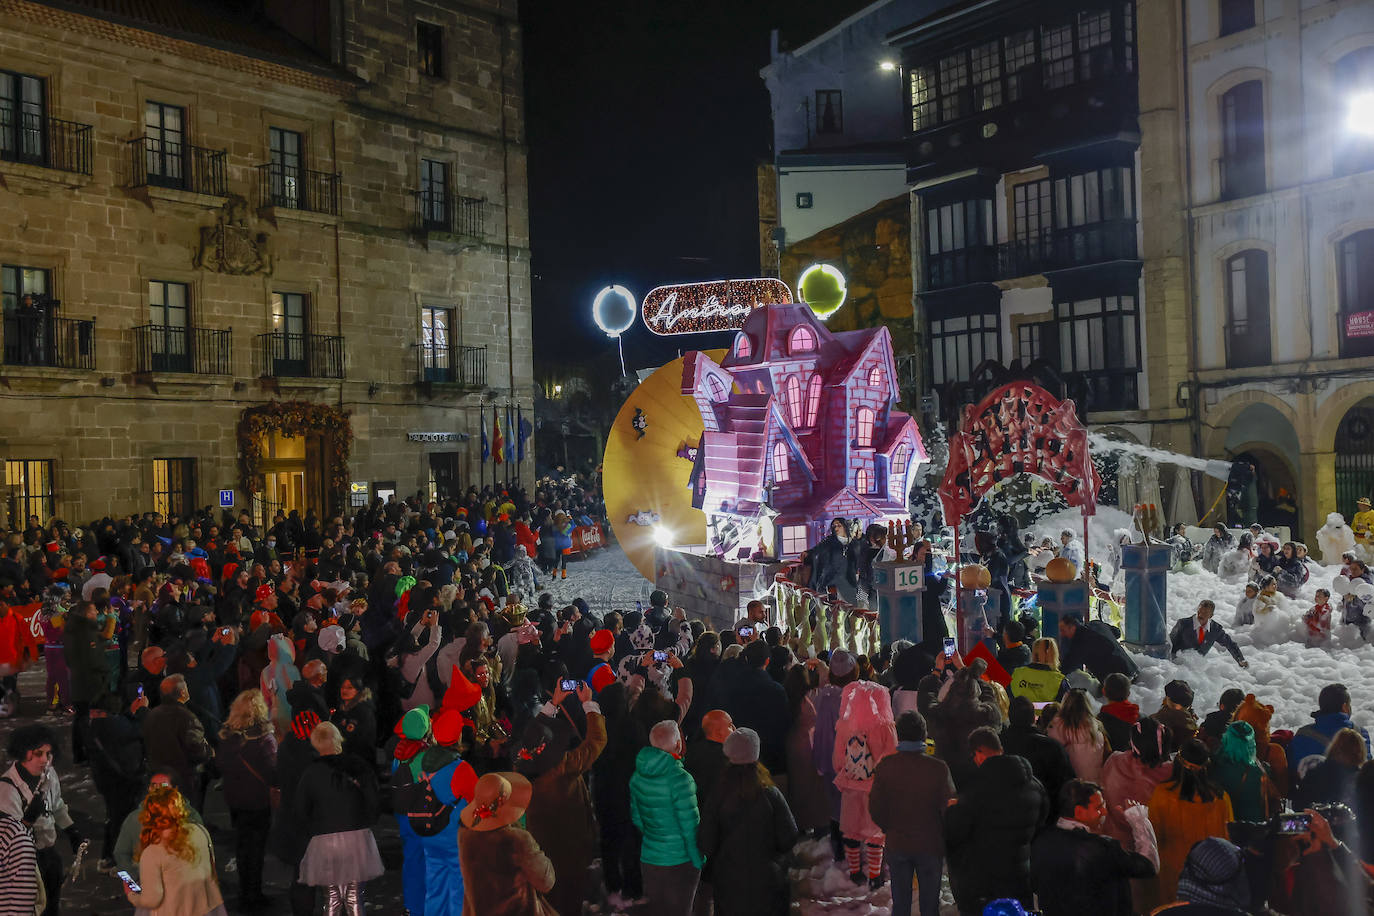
1355,457
445,474
293,474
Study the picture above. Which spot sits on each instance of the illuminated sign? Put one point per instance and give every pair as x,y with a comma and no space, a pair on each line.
822,287
613,310
720,305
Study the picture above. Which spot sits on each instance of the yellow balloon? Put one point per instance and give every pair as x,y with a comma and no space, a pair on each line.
645,475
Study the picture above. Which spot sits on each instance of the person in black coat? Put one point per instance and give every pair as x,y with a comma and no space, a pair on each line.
1047,757
288,835
338,802
988,830
1092,648
1078,871
832,560
754,700
115,743
356,719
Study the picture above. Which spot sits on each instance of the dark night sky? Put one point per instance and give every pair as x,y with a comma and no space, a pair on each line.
646,120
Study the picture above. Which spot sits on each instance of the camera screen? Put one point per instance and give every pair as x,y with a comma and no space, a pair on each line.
1292,824
660,656
569,685
950,647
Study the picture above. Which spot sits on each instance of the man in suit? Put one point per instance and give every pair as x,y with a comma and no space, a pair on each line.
1200,632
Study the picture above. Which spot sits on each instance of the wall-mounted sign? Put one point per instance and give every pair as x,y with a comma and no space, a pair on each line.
437,437
226,499
720,305
1359,324
357,486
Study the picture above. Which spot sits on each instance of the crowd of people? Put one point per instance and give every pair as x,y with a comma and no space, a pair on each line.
402,662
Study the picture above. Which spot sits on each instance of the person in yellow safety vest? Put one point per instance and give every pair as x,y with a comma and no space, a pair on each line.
1040,681
1363,522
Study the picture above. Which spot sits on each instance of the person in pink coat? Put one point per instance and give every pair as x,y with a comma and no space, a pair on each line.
864,734
1130,775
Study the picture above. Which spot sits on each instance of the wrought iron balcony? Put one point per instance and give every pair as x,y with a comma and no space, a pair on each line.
169,164
39,339
449,365
281,185
52,143
282,355
1073,246
190,350
1103,390
449,214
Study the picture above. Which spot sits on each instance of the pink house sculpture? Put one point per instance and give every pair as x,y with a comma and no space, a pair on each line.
800,427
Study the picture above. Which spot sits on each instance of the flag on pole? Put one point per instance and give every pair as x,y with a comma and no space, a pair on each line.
498,441
510,443
522,432
486,451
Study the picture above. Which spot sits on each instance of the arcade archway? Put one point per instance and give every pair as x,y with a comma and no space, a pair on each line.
1355,456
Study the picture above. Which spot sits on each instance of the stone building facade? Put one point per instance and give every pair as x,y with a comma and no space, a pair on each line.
226,238
1280,208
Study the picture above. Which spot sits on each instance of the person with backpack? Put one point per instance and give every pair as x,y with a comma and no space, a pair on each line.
413,738
431,801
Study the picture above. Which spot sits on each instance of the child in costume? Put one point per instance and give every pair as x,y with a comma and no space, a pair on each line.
864,734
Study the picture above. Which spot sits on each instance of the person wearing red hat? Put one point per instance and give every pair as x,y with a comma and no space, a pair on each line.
602,675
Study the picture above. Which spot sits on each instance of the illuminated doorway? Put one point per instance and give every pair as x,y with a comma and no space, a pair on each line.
292,470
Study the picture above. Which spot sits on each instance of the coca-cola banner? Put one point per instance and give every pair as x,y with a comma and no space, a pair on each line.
720,305
1359,324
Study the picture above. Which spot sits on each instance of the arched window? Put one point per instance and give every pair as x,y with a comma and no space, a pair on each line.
758,386
803,340
743,346
1247,309
1355,268
813,399
863,421
862,480
1354,74
780,469
793,401
875,376
899,461
718,390
1242,140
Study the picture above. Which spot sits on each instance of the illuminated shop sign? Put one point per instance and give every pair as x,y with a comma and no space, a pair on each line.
720,305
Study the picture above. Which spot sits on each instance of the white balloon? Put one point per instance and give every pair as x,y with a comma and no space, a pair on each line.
1361,589
1341,585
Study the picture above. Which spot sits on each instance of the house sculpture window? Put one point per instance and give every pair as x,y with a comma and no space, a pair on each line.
803,340
743,347
863,420
793,540
780,469
875,376
718,391
813,399
793,401
862,480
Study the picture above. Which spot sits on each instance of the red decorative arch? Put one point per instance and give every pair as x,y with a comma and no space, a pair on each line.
1019,428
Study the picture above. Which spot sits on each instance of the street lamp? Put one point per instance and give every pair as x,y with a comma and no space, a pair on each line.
888,66
558,391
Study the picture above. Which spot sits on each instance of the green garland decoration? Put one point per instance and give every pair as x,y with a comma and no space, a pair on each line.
296,418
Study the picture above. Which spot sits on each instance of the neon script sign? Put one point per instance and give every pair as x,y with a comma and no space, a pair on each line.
720,305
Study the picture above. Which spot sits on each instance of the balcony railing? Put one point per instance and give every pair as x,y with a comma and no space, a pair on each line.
962,266
446,365
283,355
39,339
169,164
190,350
1073,246
281,185
450,214
48,142
1103,390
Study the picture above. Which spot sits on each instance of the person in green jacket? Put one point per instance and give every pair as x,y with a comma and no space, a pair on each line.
1236,769
663,805
1040,681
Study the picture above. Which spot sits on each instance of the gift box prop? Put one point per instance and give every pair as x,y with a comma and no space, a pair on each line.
1147,589
1019,428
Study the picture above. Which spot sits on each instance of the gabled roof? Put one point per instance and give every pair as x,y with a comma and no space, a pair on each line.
865,341
770,328
895,431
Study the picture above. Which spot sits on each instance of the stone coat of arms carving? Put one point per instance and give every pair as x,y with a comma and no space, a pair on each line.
231,246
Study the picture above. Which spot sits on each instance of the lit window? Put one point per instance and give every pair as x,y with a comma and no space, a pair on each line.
803,340
813,399
864,421
29,483
862,480
793,540
780,462
718,392
743,347
875,376
794,401
758,386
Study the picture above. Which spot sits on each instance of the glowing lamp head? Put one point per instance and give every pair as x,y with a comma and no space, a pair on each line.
613,310
822,287
662,536
1359,117
888,66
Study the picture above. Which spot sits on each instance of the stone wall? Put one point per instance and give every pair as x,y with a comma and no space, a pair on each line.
366,271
